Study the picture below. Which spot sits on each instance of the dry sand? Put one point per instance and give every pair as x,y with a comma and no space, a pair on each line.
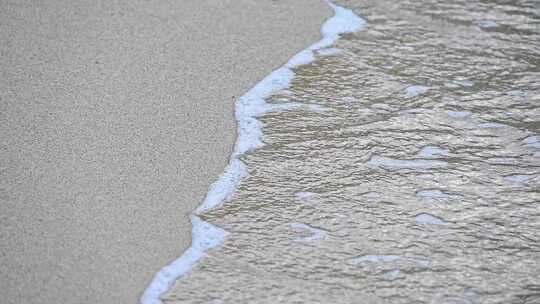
116,116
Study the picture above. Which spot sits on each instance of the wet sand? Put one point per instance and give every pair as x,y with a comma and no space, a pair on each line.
116,117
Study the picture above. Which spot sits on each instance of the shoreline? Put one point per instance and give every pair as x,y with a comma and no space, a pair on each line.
118,120
248,108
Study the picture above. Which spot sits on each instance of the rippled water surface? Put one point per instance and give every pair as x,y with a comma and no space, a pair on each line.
410,173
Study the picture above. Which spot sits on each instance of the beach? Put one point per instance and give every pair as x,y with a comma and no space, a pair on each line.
116,117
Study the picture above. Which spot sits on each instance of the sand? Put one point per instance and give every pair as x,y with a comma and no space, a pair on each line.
116,117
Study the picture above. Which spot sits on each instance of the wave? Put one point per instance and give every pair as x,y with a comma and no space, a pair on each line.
249,137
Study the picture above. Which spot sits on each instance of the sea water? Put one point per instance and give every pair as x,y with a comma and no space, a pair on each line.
395,161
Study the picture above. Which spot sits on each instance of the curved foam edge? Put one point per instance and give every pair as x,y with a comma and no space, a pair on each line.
204,236
249,136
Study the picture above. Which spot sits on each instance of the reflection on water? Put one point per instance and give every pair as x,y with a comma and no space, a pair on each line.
411,175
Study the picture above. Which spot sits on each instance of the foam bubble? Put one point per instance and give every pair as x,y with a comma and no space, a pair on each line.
491,125
425,218
392,275
451,85
372,195
487,24
303,195
501,160
416,90
372,258
316,234
349,99
382,106
519,93
458,114
317,108
380,161
532,142
518,178
464,83
295,105
432,152
433,193
426,176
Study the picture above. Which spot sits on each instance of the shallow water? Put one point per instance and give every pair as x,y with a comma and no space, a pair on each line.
408,170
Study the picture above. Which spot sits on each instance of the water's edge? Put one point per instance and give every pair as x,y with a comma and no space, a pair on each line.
247,108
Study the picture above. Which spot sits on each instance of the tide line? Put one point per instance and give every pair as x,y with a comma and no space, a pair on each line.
249,137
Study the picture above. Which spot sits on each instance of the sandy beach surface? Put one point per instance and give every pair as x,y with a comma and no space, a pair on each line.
116,117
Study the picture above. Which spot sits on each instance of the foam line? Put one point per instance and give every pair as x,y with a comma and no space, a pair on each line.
249,136
204,236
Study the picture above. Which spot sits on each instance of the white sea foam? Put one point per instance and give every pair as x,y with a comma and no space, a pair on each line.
203,237
519,178
304,57
372,258
451,85
349,99
433,193
380,161
392,275
223,188
317,108
458,114
304,195
501,160
432,152
464,83
519,93
316,233
385,258
329,52
487,24
426,176
491,125
372,195
424,218
459,83
382,106
416,90
249,136
296,105
532,142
